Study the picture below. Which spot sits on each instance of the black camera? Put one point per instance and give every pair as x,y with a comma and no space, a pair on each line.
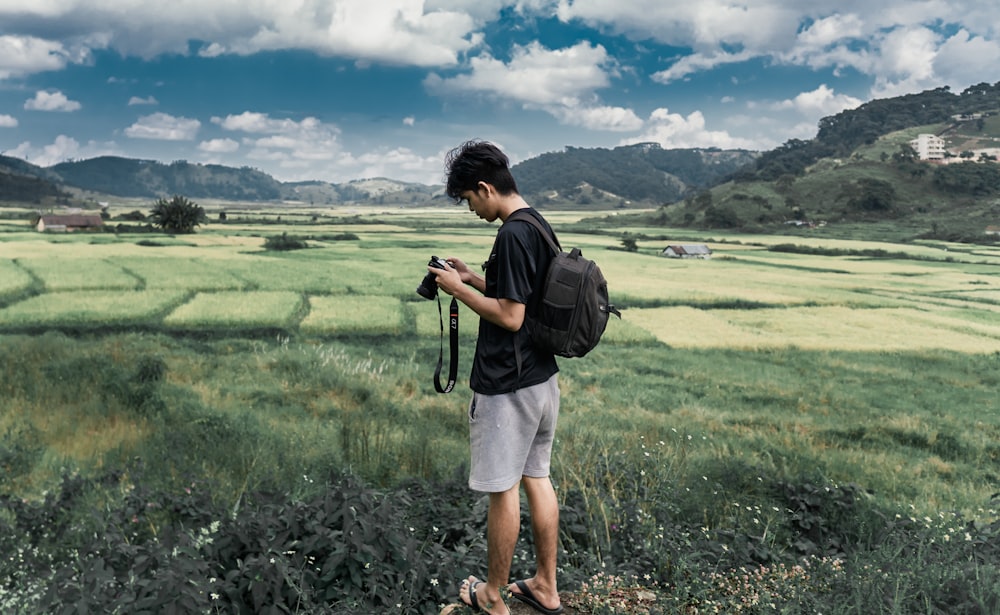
428,288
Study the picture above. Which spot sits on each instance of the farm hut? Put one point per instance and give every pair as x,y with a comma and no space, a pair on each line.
67,223
687,251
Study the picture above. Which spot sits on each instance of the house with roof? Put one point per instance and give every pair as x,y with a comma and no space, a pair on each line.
68,223
687,251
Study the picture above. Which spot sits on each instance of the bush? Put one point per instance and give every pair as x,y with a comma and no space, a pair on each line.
285,242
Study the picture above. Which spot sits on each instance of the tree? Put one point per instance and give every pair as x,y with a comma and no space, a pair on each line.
178,215
869,194
629,243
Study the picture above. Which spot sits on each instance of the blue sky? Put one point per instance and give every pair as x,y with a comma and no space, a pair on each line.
336,90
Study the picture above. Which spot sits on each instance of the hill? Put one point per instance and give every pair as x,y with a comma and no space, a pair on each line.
641,174
23,182
644,173
861,177
125,177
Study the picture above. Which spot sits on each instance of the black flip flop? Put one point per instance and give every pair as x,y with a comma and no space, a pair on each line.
529,598
473,600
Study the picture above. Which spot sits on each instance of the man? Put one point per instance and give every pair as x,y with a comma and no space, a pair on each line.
512,416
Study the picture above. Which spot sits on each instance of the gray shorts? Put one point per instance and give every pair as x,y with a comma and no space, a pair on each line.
511,435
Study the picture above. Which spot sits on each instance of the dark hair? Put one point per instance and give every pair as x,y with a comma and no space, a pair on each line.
474,162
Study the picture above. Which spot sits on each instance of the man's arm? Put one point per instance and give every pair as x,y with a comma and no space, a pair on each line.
468,286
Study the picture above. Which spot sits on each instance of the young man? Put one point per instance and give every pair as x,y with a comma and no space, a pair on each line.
512,416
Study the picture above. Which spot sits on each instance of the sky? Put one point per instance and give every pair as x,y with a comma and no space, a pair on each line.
337,90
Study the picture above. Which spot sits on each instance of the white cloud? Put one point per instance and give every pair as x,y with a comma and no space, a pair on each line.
149,100
561,82
8,121
164,127
404,32
967,60
397,163
291,144
24,55
697,63
409,121
219,146
535,75
905,62
51,101
831,30
60,150
703,26
672,130
820,102
615,119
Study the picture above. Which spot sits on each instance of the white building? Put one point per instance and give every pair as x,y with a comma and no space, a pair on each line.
928,147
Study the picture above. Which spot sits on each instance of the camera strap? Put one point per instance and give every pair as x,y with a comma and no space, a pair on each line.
453,338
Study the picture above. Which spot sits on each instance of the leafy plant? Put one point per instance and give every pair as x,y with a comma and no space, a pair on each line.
178,215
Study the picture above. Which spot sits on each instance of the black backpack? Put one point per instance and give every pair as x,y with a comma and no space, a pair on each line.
572,313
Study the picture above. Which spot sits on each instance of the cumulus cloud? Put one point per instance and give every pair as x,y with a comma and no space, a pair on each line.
534,75
404,32
164,127
898,45
60,150
219,146
24,55
51,101
149,100
288,143
964,59
398,163
615,119
8,121
562,82
673,130
820,102
697,63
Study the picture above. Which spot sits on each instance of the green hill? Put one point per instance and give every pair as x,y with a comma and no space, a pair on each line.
860,177
23,182
149,179
644,173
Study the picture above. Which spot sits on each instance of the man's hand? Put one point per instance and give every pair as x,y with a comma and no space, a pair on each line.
457,280
449,279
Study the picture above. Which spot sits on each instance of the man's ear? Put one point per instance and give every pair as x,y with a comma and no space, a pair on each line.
484,186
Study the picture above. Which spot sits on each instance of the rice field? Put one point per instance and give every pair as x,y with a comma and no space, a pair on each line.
250,309
91,308
745,296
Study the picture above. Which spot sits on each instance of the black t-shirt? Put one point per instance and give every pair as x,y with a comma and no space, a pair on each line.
515,270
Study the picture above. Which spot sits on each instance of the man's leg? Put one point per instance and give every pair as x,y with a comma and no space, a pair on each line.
544,509
503,523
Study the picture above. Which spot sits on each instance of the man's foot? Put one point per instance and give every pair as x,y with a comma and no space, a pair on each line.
522,592
468,594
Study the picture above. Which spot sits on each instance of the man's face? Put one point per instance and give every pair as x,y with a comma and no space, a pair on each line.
478,204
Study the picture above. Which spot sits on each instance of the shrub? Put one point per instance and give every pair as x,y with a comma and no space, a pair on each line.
285,241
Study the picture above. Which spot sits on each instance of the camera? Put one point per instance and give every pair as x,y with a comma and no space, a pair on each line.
428,286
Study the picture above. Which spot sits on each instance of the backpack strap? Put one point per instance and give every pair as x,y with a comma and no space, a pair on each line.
523,215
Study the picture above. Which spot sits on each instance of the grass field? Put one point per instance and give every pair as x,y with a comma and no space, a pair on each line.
925,297
843,367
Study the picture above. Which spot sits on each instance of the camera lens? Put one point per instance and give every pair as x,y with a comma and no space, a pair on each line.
428,287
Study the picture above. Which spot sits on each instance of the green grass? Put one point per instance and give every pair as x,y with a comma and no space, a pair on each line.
68,274
758,405
91,308
237,310
874,371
